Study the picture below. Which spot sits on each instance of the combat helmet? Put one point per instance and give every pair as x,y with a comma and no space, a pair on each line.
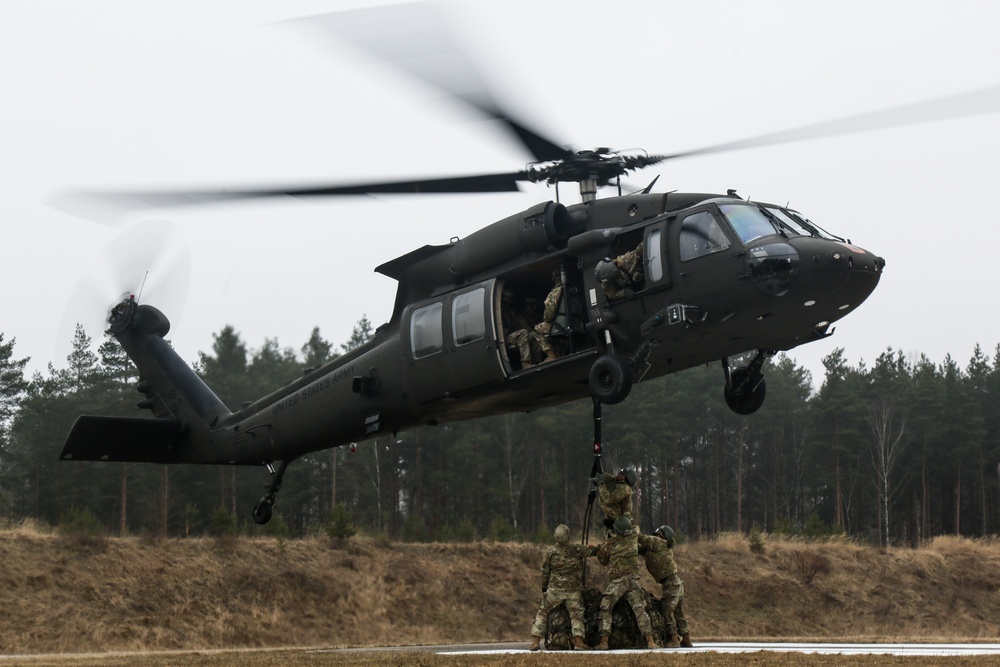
622,525
665,532
562,534
606,269
631,476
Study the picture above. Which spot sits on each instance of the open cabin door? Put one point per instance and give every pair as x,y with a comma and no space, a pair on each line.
451,344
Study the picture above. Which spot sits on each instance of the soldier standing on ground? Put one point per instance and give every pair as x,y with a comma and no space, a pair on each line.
621,556
562,583
659,553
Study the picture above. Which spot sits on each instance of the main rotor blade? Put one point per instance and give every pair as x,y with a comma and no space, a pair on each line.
107,206
953,106
415,38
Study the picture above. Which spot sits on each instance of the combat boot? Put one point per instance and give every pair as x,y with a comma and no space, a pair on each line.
686,640
579,644
603,646
650,642
673,642
549,356
536,643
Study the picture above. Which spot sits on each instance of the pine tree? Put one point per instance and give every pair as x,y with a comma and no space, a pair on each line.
83,370
317,351
361,334
12,382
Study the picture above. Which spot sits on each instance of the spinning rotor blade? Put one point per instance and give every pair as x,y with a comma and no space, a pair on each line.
148,260
106,206
415,38
953,106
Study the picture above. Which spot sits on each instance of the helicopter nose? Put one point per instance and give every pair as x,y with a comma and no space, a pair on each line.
837,277
773,267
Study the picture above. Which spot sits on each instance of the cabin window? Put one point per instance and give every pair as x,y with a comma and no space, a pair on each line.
426,331
654,257
701,234
468,317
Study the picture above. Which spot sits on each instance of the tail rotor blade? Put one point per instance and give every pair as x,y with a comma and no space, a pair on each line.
149,256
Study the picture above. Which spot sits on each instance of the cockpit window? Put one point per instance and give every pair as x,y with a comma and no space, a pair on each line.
701,234
748,221
819,230
790,223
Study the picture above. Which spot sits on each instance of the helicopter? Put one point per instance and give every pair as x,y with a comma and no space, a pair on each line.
712,276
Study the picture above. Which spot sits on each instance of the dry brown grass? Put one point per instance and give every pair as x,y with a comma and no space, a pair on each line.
283,658
133,594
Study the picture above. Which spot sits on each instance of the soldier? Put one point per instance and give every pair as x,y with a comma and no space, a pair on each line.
622,275
615,495
621,555
544,328
660,563
562,581
519,331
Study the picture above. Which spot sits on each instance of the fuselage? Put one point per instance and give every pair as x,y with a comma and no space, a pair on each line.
722,276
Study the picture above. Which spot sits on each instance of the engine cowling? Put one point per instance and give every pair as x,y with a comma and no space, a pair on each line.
540,227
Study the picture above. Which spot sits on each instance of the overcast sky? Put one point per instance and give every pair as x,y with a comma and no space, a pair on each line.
119,95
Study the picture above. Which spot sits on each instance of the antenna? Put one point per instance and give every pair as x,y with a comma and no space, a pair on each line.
142,286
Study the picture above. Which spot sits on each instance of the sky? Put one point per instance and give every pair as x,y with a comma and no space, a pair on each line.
236,93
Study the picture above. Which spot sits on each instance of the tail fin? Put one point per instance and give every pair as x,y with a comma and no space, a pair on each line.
185,409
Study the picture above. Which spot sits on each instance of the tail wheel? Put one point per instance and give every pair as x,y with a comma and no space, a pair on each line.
747,396
262,510
610,379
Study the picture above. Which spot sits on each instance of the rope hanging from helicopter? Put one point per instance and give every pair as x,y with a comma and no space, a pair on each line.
596,468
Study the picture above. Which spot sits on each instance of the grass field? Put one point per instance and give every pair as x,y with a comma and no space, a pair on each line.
204,601
310,658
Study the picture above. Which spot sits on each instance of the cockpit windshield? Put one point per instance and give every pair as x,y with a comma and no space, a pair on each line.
822,233
790,222
748,221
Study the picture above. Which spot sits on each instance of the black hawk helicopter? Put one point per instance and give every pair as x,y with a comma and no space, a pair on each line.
635,286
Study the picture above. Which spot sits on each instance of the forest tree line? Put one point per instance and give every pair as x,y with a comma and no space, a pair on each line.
892,453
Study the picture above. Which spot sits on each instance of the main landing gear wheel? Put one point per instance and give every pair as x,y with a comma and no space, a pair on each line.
610,379
747,393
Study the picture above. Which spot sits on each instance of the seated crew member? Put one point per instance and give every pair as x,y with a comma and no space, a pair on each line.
621,276
544,328
518,330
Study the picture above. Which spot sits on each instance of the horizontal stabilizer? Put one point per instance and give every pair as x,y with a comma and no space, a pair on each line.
134,439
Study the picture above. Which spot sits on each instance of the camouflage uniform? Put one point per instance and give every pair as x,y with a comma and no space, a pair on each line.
615,498
519,329
630,275
544,327
621,555
520,334
562,580
659,556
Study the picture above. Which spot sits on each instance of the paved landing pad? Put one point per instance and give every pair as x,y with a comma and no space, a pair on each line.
753,647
